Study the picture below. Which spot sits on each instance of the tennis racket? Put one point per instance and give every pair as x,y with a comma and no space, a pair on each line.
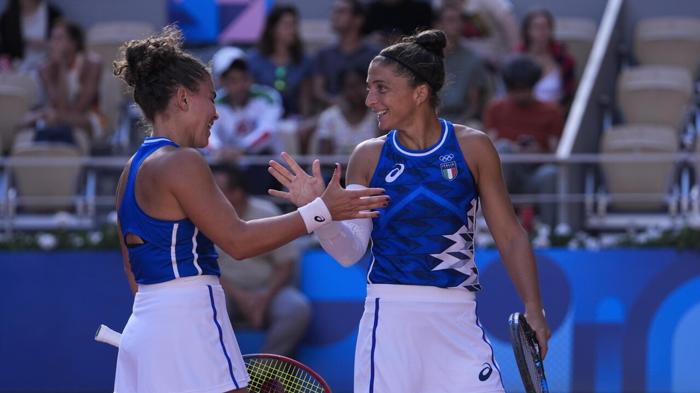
268,373
279,374
527,354
108,336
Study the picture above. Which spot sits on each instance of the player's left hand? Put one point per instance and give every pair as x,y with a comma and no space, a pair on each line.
301,187
538,323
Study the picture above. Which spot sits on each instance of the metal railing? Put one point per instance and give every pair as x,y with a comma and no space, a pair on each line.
682,199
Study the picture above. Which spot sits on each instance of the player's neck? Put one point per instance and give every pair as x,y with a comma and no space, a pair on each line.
166,127
422,133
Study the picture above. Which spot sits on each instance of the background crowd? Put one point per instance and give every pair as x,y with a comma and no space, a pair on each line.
511,79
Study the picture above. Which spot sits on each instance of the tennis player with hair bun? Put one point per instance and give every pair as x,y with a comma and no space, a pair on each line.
419,332
179,338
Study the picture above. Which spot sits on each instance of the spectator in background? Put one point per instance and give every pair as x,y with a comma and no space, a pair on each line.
389,20
279,60
462,97
347,20
259,290
248,113
520,123
344,125
558,81
249,116
25,26
489,26
70,78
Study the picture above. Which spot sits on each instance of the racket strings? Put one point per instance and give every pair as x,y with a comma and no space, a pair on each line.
275,376
531,355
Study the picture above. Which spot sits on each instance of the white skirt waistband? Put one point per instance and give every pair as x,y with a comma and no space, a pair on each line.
181,283
419,293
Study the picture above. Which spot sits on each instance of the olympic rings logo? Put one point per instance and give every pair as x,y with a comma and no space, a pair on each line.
447,157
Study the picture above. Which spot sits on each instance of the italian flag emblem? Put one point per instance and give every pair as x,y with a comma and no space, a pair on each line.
449,170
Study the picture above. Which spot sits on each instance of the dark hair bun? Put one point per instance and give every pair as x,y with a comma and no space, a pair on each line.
143,58
154,67
420,59
433,41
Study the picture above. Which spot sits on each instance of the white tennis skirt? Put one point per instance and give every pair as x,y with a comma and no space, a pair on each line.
420,339
179,339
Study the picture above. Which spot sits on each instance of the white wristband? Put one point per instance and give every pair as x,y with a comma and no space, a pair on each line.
315,214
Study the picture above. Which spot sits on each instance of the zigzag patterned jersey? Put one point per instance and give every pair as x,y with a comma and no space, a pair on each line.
426,234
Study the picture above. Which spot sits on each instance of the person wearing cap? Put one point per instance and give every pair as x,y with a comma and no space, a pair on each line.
248,113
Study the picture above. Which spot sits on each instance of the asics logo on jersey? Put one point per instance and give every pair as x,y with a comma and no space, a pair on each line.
394,173
485,372
319,219
447,157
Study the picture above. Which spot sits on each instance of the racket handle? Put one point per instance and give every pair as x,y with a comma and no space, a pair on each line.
108,336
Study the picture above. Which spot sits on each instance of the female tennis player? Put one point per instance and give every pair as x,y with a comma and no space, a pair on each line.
179,338
419,331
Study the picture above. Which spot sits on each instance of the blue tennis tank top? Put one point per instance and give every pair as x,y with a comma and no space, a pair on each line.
426,234
171,249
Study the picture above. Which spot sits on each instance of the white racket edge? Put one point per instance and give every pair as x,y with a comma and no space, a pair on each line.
108,336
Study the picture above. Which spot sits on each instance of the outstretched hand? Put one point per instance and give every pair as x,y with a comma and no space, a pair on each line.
303,188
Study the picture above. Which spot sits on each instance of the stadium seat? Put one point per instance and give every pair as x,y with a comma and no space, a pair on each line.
112,97
14,105
49,186
25,137
106,38
669,41
638,177
654,95
578,35
26,83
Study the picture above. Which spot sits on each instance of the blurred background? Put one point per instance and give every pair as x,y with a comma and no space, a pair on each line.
593,106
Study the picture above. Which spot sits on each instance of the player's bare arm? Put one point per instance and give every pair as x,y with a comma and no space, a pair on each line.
206,206
363,161
510,238
346,241
306,187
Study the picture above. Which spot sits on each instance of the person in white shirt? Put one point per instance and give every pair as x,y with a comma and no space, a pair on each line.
491,28
25,26
248,113
344,125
